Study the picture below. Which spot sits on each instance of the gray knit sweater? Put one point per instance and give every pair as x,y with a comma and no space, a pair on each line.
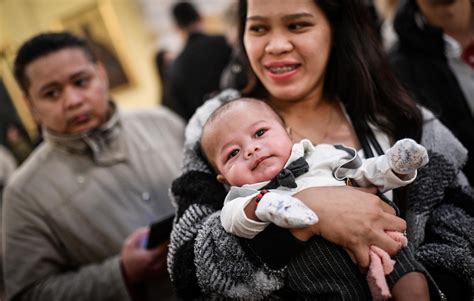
205,261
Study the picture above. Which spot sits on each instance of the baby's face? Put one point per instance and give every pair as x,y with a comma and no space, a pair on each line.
247,144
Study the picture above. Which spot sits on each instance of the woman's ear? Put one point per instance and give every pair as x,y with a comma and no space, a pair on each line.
221,179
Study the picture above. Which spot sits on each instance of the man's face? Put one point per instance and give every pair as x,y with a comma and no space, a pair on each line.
452,16
68,94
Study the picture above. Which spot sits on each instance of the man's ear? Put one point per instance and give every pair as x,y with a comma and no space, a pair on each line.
221,179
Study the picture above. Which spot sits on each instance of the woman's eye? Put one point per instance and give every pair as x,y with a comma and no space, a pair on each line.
233,153
257,28
260,133
297,26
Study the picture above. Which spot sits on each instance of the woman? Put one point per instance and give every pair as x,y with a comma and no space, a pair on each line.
318,65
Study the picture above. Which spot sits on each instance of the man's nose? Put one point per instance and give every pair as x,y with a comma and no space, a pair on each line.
73,98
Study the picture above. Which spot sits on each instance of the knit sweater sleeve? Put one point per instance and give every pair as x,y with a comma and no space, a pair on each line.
204,260
440,205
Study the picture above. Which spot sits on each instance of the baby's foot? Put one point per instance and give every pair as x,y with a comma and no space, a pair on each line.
285,211
406,156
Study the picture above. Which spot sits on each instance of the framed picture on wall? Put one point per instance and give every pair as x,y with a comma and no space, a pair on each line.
18,130
98,23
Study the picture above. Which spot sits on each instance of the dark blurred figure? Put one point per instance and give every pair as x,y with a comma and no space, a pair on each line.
196,71
235,74
431,59
163,60
18,142
7,167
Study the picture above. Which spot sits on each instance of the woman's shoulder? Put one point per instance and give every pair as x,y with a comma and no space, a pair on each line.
437,138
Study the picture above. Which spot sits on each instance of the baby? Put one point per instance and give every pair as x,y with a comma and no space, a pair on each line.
247,144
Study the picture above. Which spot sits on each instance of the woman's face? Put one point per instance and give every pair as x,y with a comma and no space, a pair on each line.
288,45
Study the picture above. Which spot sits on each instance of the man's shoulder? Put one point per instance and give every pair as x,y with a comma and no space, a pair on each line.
156,114
153,119
37,165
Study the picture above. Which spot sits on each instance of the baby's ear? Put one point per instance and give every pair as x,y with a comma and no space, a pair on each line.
221,179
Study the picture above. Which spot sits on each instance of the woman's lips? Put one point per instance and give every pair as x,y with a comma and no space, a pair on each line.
282,71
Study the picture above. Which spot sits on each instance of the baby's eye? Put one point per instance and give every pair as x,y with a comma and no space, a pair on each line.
260,133
233,153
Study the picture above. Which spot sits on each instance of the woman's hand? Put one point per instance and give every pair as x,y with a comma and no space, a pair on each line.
353,218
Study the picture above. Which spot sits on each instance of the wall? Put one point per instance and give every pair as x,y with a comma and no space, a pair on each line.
20,19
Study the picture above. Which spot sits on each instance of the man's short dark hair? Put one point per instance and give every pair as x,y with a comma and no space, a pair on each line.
42,45
185,14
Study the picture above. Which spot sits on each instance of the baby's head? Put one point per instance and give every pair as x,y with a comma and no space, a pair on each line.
246,142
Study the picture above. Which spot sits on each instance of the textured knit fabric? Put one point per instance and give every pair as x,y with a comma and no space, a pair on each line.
420,62
70,206
206,261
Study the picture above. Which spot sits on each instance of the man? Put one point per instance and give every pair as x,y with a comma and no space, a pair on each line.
72,210
196,71
434,58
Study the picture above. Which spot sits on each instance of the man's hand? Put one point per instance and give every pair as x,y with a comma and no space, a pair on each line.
139,263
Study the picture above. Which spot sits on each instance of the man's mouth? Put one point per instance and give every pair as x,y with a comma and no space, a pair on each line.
81,119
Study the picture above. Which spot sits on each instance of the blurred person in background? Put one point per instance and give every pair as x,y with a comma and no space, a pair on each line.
235,74
7,167
18,141
196,71
163,60
386,10
76,211
434,59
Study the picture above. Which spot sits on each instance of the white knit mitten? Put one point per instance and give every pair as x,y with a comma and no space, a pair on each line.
285,211
406,156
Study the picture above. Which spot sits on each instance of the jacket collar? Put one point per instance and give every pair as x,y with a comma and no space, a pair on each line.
105,144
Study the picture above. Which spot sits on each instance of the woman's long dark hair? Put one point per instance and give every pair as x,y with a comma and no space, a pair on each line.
358,73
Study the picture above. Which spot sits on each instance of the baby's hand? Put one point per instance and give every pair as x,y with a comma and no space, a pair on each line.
406,156
285,211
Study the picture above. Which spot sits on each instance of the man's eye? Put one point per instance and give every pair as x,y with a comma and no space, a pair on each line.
81,82
233,153
260,133
51,94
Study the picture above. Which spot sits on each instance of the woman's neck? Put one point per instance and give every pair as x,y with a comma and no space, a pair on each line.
321,121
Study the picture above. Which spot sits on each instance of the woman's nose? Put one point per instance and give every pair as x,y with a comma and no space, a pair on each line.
278,44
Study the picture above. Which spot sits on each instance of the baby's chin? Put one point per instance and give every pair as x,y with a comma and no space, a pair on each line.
269,174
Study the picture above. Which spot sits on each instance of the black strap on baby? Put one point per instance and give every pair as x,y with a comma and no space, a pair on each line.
367,140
